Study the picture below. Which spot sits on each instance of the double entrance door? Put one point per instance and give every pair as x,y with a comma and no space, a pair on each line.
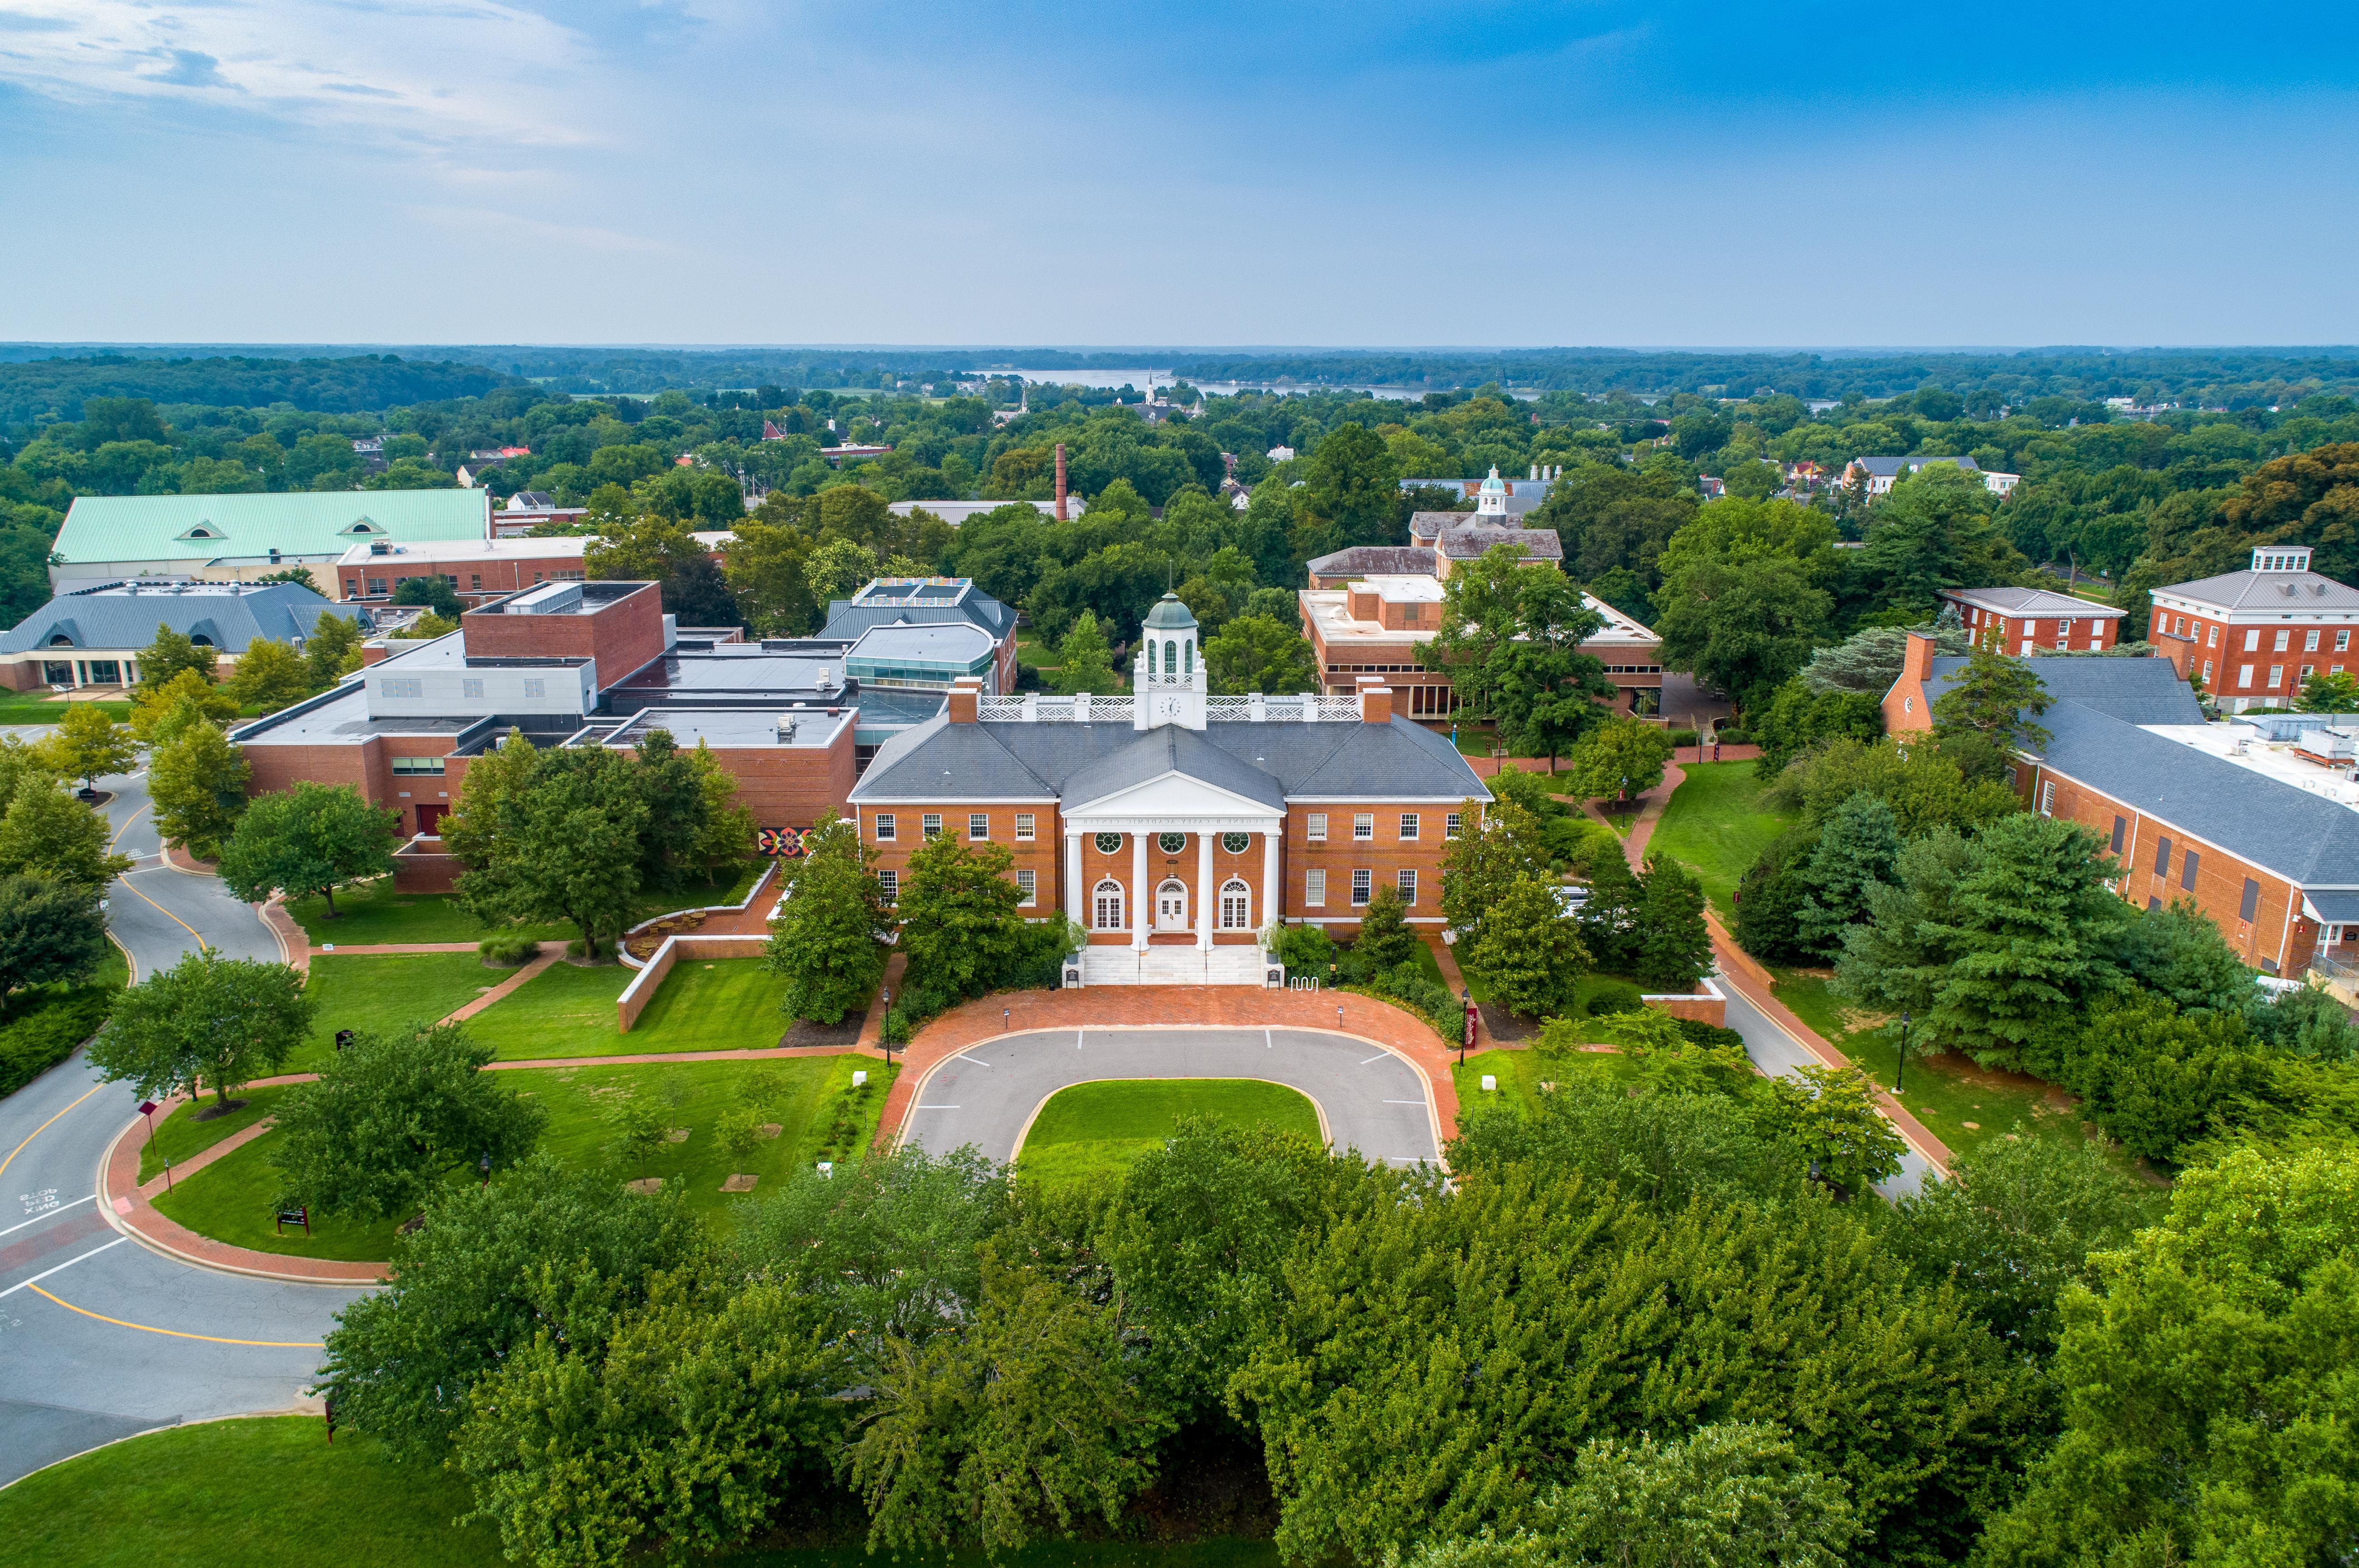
1172,906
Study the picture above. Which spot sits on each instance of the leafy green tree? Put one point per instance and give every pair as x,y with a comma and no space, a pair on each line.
1481,615
1858,848
1769,899
551,1250
206,1020
1028,1416
727,838
1612,919
570,846
1662,1151
271,674
195,781
1620,759
1829,1116
2205,1380
2019,1221
2330,692
1548,694
1497,846
1897,960
2159,1079
1994,696
86,744
163,707
1933,529
435,591
1528,951
49,930
500,773
1385,938
1084,662
1924,785
314,838
1675,944
1351,494
764,568
1742,625
962,921
682,1430
47,833
1798,718
1256,653
2177,950
1732,1495
837,569
334,649
827,937
395,1113
169,654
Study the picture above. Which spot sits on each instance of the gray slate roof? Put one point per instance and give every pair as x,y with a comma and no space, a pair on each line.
1428,524
2096,706
1386,560
1466,544
1889,467
943,761
230,615
847,618
2033,602
2266,590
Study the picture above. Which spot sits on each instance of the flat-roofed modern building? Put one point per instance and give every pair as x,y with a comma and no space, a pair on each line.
227,538
924,602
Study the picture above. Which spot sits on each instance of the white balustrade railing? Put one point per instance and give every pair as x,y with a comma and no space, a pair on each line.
1034,708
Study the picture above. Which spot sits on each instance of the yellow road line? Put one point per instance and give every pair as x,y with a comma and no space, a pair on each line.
37,1131
169,915
178,1334
126,824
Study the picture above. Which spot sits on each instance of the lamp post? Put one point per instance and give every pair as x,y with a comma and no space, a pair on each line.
885,1034
1903,1068
1466,1029
484,1165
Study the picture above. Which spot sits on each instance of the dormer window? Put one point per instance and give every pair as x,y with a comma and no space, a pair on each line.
203,531
61,640
363,527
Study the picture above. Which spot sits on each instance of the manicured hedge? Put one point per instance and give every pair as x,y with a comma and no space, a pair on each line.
39,1041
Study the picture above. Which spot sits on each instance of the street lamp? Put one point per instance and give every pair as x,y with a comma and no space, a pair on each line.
484,1165
1903,1068
885,1033
1466,1029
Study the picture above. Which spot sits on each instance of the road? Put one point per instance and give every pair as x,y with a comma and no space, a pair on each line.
1778,1053
99,1336
1368,1098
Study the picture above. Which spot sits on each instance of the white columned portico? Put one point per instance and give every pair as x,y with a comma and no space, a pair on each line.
1273,897
1142,903
1208,896
1077,897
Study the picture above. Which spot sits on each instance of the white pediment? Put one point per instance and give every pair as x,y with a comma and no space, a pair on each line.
1174,800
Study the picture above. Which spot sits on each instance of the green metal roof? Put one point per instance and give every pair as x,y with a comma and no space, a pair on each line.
198,529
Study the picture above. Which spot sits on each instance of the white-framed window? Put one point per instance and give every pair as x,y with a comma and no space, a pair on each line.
2243,675
1364,887
2306,670
2277,676
1105,905
1409,827
2310,642
884,827
1314,827
1028,884
1024,827
1236,905
413,767
1405,882
978,825
1452,824
2253,639
2212,638
1314,889
1171,843
1107,843
930,824
2047,797
890,881
1236,843
2343,642
2283,637
1363,826
2207,672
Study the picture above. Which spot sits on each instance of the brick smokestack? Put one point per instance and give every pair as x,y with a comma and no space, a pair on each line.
1060,481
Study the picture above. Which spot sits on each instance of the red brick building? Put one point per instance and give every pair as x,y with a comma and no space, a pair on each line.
2016,620
2253,636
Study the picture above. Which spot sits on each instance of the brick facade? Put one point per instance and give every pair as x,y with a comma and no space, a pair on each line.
2253,656
623,635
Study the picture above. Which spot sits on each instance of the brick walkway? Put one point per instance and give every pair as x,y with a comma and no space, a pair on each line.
1149,1006
550,952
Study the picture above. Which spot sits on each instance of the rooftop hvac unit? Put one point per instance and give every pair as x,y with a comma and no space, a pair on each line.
786,731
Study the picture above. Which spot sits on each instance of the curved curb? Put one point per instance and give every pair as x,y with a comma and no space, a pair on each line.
119,1200
1318,1106
306,1407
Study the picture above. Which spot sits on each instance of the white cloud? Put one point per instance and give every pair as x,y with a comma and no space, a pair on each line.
443,73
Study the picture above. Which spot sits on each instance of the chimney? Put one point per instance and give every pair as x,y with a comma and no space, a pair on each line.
1919,664
374,652
1376,704
1060,481
966,700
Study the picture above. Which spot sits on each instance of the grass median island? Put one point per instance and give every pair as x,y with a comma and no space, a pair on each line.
182,1134
1717,825
386,990
1519,1075
724,1004
810,1100
1099,1129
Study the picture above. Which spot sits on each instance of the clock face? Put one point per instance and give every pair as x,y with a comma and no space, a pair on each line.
1170,707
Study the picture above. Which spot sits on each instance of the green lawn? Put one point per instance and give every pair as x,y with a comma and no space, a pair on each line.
181,1135
387,990
1717,825
271,1492
374,912
728,1004
1093,1130
1519,1075
1946,1093
26,708
812,1099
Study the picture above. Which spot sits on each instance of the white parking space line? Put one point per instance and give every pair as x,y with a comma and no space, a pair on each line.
61,1267
1377,1057
1404,1102
938,1107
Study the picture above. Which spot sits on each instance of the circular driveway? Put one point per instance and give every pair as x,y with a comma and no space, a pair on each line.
1369,1099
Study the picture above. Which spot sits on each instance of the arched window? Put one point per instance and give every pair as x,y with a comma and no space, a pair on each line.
1170,657
1236,905
1188,657
200,639
61,640
1105,905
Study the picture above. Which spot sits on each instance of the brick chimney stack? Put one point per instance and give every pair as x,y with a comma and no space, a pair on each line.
1060,481
966,700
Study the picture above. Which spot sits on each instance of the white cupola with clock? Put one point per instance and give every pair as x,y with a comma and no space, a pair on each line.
1169,673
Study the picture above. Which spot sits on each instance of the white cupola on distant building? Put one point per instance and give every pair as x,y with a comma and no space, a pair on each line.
1491,500
1169,674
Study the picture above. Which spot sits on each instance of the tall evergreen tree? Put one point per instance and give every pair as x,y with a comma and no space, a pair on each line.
1857,849
1994,696
1674,944
1611,921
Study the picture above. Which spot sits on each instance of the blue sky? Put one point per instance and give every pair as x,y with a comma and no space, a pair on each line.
1592,171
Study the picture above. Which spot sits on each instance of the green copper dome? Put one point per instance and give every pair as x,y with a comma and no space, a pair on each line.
1170,615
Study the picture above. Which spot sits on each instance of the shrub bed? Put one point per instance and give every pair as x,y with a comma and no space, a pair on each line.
33,1043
